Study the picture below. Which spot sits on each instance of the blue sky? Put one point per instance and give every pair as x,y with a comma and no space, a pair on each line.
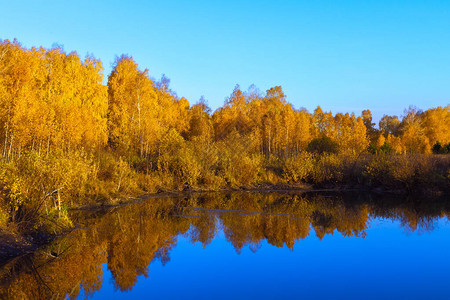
342,55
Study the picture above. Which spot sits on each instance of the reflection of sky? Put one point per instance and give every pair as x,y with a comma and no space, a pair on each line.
388,263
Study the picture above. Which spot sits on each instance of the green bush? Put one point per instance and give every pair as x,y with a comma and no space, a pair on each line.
386,148
441,149
323,145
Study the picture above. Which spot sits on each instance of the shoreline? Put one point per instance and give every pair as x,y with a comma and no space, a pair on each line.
13,245
264,188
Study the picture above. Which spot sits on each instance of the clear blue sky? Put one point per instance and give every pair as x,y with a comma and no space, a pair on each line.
343,55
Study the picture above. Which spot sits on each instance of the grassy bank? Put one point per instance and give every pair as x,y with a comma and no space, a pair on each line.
37,191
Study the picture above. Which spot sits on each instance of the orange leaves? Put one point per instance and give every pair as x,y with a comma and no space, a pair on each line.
133,107
436,124
52,100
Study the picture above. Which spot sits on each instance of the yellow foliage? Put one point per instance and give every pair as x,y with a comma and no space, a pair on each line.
133,108
395,143
437,125
63,132
298,168
380,141
327,168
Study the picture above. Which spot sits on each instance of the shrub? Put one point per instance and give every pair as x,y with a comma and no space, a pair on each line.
186,168
386,148
437,148
441,149
240,170
372,149
323,145
34,185
327,169
411,172
298,168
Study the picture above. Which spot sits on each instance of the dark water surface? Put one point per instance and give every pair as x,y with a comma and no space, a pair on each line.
246,246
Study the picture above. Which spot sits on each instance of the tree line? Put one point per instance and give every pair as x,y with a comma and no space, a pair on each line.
54,101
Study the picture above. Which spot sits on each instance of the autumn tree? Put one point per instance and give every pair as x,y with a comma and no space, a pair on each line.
51,101
232,116
372,133
323,123
200,124
436,124
133,108
174,111
302,131
412,132
389,125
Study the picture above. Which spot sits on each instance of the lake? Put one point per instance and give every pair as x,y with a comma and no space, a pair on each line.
245,246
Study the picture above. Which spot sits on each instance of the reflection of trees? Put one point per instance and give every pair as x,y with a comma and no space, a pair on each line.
129,238
203,229
414,215
138,236
347,220
61,269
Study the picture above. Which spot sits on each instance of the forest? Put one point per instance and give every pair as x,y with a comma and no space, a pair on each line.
68,140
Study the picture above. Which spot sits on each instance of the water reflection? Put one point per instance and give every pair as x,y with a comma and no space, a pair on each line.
129,238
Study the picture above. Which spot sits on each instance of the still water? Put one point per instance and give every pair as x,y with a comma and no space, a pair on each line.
245,246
